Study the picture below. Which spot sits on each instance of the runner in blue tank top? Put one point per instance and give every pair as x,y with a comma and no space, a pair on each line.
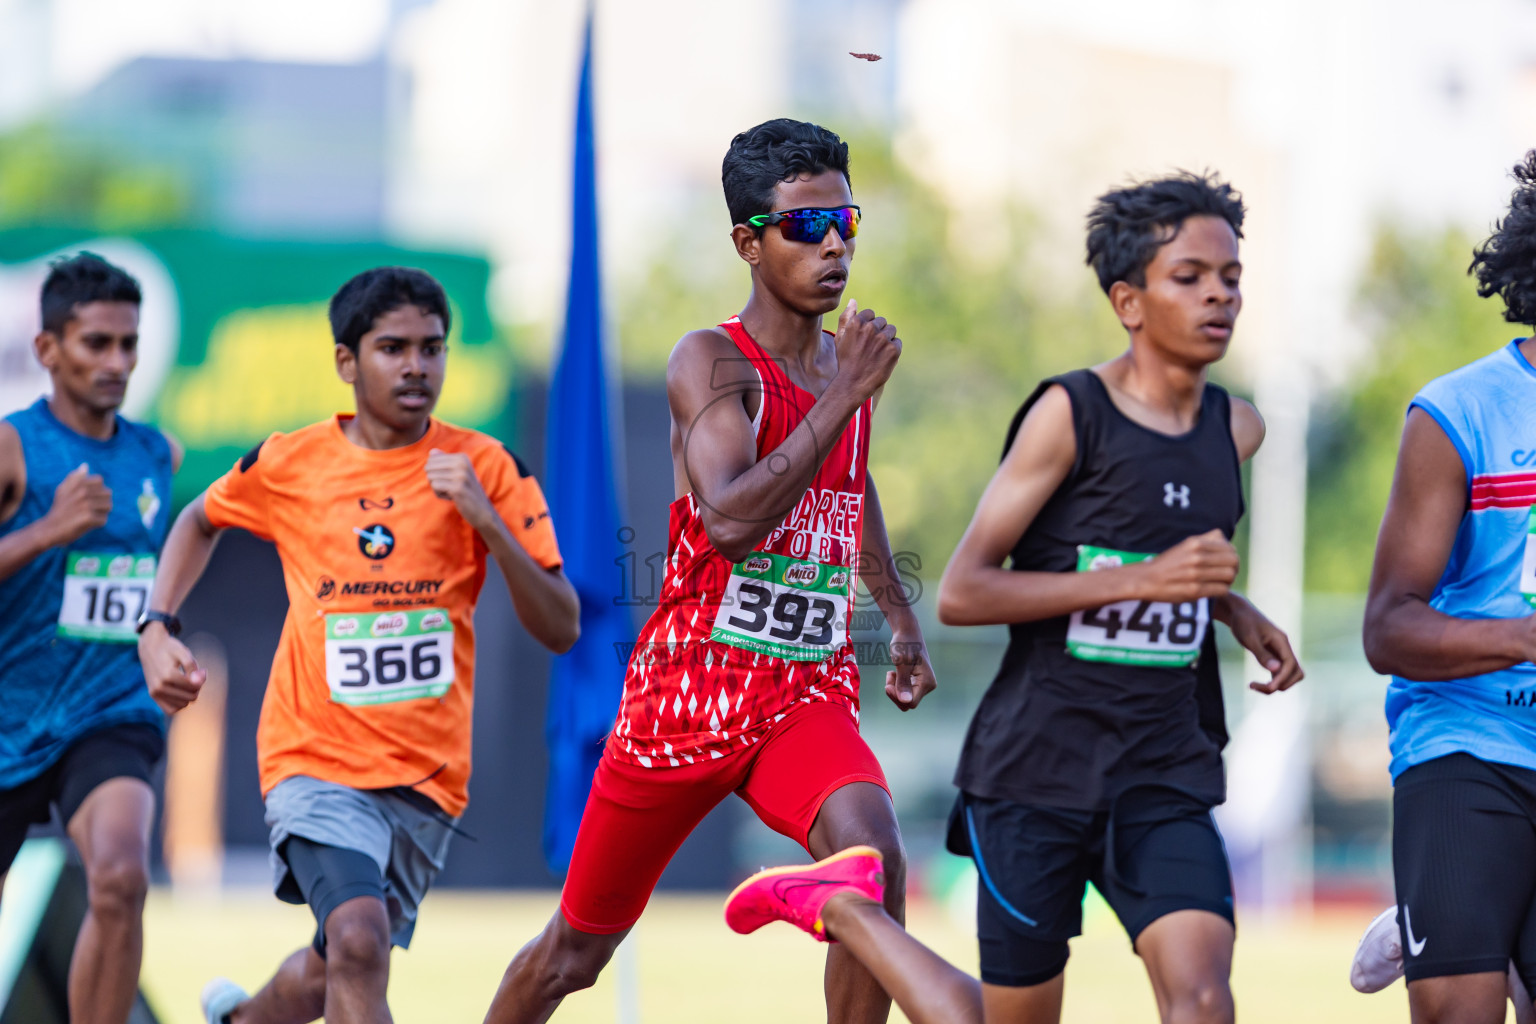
84,506
1450,619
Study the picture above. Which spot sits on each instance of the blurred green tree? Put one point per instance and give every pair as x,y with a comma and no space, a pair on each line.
46,178
1424,319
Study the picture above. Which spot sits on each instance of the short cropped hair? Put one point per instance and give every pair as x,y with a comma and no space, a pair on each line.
1128,225
775,151
1505,264
373,293
81,279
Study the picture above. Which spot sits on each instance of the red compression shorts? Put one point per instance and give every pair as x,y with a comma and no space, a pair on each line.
636,818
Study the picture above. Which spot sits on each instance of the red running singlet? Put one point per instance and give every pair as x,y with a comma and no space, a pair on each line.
731,647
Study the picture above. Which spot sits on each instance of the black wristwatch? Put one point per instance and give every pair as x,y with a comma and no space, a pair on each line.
172,623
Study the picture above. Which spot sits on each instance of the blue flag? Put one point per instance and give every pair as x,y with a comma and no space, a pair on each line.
586,682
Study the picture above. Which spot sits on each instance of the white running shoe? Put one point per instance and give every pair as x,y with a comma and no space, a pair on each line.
1379,957
220,997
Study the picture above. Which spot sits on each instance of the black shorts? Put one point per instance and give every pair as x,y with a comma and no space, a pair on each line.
1155,852
1464,856
119,751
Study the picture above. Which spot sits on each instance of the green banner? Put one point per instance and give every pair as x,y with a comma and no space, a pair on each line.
234,340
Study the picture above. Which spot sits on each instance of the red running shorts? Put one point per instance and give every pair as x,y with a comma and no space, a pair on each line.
636,818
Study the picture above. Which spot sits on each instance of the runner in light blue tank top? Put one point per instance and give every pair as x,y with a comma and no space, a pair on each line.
84,507
1451,617
1488,411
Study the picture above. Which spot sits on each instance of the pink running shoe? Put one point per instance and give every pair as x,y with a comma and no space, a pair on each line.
797,894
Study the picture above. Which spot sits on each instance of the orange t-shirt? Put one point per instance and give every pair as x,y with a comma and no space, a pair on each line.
373,682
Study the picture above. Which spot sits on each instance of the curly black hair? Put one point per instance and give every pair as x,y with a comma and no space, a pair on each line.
1128,225
775,151
1505,264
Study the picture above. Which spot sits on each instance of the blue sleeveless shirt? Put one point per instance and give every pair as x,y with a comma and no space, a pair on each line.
1488,410
68,662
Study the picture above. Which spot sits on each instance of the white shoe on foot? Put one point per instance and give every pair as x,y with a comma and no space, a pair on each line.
1379,957
220,997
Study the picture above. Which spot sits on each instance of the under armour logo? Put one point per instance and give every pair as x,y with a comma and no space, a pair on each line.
1176,495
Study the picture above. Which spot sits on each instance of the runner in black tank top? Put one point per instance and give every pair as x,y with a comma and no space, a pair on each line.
1089,705
1096,753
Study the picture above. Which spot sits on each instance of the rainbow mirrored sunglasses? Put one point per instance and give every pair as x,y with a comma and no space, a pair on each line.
811,223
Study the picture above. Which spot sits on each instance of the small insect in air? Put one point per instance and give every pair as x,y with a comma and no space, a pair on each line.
865,56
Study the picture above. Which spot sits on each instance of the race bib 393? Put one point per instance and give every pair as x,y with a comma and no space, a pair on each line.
785,607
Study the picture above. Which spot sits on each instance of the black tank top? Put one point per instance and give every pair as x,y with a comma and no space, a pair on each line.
1087,706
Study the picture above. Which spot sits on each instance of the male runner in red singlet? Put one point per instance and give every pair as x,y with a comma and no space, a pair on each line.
744,679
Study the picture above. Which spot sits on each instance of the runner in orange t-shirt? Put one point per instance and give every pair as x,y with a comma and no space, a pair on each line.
383,522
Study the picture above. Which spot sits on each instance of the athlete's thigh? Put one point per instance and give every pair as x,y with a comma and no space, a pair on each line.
634,822
112,767
112,824
813,752
1464,860
1188,956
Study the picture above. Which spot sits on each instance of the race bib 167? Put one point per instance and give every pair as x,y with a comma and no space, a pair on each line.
1157,634
782,606
382,657
104,595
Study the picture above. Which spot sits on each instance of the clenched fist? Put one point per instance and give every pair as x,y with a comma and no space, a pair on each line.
452,478
1196,567
81,503
173,675
867,348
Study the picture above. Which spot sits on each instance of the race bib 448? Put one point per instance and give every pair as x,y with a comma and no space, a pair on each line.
781,606
104,595
1159,634
379,658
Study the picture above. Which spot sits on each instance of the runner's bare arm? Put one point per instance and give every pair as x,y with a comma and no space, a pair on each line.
545,602
1247,428
743,500
912,678
976,590
171,672
1403,635
81,503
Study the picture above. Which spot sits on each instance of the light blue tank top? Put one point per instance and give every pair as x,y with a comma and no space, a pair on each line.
70,665
1488,409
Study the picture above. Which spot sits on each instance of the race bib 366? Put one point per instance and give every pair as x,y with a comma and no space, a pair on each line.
781,606
104,595
382,657
1158,634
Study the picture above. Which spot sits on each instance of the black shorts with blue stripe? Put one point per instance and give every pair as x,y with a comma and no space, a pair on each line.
1154,852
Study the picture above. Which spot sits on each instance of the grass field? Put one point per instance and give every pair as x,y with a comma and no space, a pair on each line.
693,970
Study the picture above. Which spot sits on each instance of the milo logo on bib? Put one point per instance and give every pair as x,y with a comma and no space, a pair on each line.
1158,634
784,607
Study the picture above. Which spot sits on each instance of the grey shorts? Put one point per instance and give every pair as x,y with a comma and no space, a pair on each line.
401,830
